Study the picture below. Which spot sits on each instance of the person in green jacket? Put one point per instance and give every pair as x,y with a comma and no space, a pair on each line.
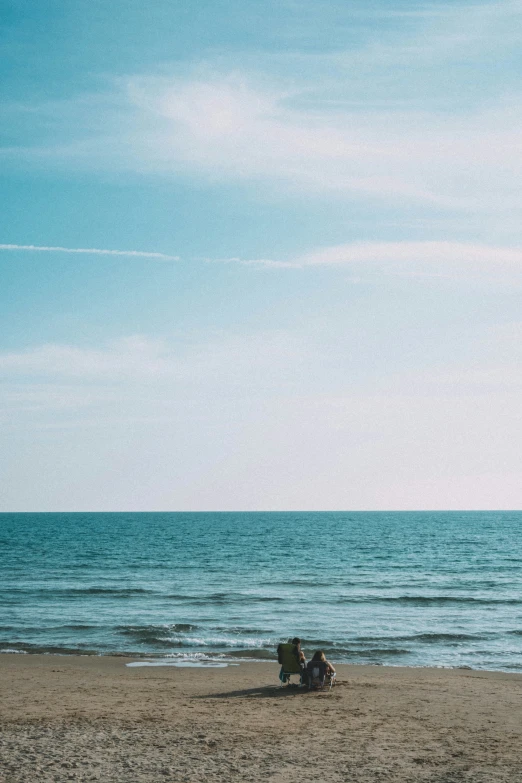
292,659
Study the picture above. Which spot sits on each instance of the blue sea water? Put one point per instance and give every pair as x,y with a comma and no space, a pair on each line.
413,589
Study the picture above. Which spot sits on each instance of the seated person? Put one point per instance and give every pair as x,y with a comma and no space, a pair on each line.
291,658
297,642
320,658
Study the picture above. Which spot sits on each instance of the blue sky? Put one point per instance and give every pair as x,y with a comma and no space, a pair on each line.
260,255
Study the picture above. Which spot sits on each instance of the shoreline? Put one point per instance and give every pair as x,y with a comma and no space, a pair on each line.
169,659
80,718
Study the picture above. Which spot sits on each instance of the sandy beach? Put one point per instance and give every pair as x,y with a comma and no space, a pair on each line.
68,718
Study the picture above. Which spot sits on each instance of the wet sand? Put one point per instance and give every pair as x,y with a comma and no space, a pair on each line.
69,718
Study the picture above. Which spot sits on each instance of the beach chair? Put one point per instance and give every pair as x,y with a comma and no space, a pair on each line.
318,676
288,657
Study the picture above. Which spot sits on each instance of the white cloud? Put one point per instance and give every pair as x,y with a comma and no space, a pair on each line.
343,124
411,259
414,251
137,381
443,34
221,359
229,128
91,251
133,356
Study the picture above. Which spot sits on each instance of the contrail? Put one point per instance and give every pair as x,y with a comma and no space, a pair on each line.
93,251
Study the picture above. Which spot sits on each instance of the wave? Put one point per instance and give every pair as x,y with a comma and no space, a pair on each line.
224,598
360,650
317,643
53,649
318,584
238,629
53,592
158,635
8,650
256,654
172,628
434,638
372,652
113,591
240,646
186,635
422,600
77,627
347,654
47,628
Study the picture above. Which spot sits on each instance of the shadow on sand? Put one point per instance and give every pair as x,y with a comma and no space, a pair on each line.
266,692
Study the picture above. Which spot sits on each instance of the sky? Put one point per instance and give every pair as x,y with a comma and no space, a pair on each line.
260,255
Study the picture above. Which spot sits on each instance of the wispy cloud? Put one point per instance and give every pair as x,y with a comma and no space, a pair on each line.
387,120
407,258
228,127
137,378
411,259
218,358
92,251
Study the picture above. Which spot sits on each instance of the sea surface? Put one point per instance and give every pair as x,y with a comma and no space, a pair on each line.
408,589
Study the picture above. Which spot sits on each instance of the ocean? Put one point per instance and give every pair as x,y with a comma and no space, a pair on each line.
392,588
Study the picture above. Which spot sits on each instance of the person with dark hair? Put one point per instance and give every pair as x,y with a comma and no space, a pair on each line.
292,659
297,642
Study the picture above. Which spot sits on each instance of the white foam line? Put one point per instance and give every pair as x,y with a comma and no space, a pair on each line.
93,251
184,664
